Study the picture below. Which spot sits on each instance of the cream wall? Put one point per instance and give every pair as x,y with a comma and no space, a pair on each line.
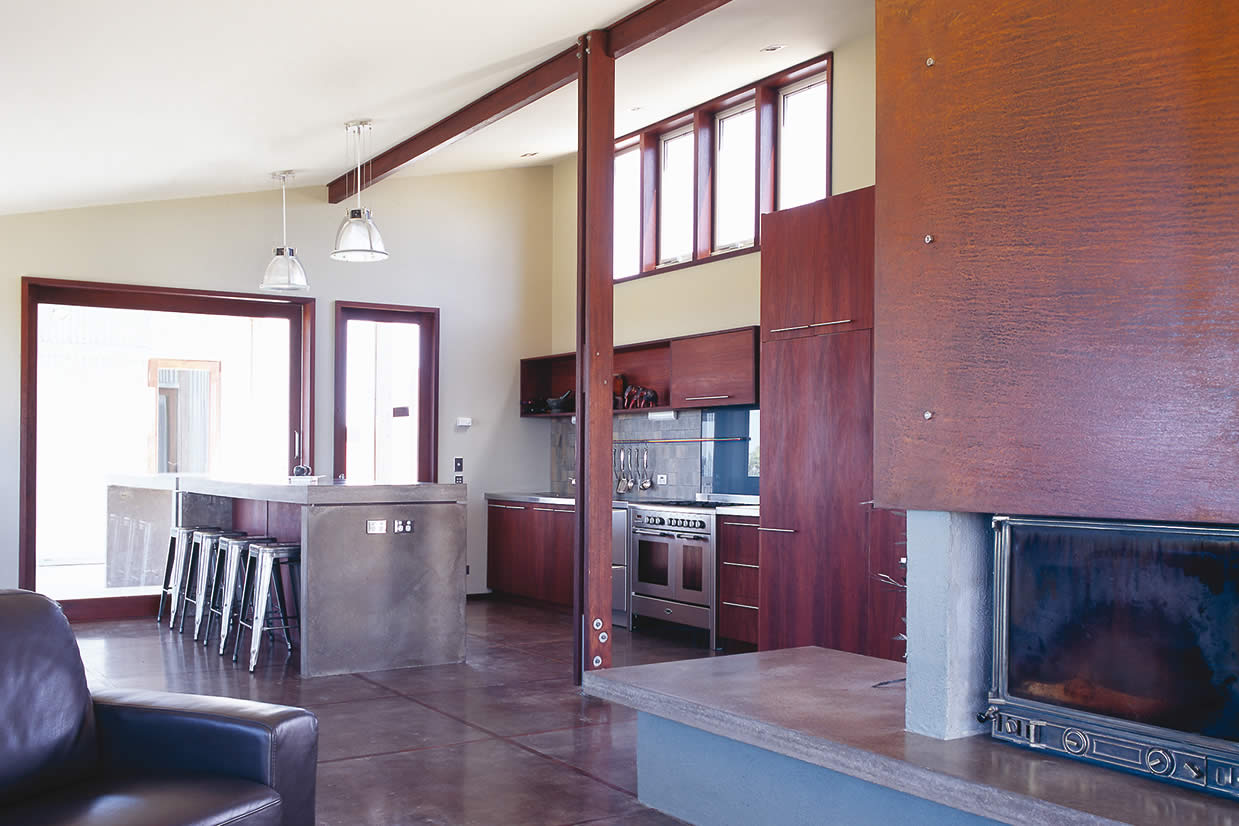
725,293
474,245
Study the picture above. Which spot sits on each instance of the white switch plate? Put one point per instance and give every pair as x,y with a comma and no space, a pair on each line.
660,479
376,526
464,421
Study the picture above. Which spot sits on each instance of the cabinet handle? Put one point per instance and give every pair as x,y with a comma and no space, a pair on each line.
742,605
741,565
704,398
830,323
867,502
789,329
778,530
563,511
547,510
515,507
741,524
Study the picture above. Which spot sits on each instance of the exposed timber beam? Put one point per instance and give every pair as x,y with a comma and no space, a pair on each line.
538,82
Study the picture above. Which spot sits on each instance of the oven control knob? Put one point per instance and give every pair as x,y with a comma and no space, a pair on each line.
700,523
1159,761
1075,741
675,523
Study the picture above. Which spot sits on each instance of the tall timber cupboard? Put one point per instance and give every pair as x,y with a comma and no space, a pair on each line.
821,543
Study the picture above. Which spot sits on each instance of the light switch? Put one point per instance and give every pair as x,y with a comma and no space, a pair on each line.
376,526
458,464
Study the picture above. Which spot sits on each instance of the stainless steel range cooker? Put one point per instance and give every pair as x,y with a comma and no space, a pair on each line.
671,562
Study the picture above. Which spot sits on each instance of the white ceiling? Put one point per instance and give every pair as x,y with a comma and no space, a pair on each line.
712,55
135,100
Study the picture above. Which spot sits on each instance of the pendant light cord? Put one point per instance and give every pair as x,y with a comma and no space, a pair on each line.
284,208
357,147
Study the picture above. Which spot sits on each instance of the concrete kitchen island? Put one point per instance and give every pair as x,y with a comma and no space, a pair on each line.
382,566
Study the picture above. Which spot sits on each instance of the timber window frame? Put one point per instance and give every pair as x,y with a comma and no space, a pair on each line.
765,98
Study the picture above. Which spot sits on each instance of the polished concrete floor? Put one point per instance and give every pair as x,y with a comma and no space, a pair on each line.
502,739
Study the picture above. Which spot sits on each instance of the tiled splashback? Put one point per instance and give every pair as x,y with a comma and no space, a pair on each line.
681,462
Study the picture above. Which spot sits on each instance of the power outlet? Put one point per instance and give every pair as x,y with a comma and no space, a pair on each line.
660,479
460,478
403,525
458,464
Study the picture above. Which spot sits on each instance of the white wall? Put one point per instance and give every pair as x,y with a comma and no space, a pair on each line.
476,245
726,293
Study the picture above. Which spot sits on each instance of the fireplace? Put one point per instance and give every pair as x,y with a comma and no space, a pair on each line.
1118,643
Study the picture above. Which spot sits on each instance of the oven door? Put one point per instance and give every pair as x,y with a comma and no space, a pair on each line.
653,558
672,566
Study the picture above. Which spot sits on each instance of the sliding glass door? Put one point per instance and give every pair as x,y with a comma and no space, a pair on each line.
125,388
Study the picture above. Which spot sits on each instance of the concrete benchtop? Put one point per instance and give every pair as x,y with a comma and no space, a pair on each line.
326,492
323,493
841,712
544,498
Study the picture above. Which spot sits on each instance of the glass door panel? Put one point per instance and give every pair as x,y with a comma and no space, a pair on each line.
653,566
382,401
125,399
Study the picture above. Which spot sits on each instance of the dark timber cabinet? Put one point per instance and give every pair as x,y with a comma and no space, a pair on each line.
713,370
817,277
529,550
819,539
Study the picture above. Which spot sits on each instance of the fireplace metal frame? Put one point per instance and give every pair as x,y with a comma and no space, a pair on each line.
1178,757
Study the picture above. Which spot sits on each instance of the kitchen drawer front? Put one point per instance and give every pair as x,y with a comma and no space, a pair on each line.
737,622
738,540
738,583
663,609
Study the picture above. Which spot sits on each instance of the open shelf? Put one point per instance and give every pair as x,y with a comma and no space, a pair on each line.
726,359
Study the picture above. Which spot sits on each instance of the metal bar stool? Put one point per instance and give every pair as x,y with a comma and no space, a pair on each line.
179,540
195,565
223,584
262,571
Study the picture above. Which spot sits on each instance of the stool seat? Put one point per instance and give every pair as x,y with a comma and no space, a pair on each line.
279,550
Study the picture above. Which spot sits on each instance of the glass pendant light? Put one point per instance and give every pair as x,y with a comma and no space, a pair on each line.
284,273
358,238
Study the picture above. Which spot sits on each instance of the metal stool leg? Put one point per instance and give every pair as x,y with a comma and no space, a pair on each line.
206,561
178,571
247,588
277,579
214,599
232,565
187,581
262,579
168,565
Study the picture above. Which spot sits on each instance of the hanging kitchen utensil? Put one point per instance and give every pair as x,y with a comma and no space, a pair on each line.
622,485
647,481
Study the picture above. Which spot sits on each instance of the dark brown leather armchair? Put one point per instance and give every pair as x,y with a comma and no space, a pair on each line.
136,758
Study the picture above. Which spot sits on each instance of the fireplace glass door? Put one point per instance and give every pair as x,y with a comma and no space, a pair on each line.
1137,622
